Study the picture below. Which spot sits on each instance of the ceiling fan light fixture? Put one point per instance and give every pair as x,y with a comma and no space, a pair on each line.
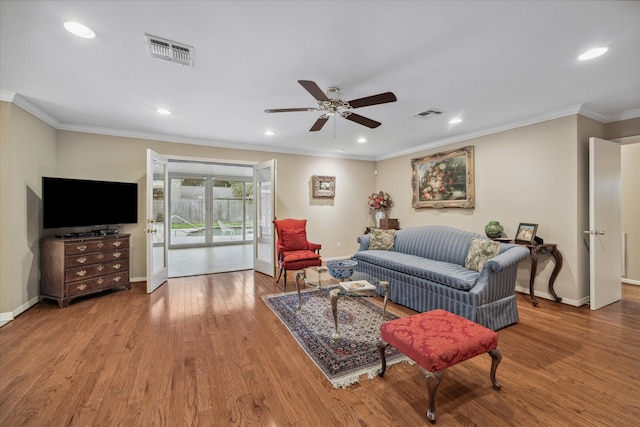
163,111
362,140
80,30
593,53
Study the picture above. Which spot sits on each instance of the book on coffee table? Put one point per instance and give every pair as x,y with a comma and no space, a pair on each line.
357,285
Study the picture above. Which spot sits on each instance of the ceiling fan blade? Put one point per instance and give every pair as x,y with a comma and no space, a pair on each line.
314,90
288,110
319,123
364,121
381,98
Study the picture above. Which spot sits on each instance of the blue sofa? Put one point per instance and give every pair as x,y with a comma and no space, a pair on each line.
426,270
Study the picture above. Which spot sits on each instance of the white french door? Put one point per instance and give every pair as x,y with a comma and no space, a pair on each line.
264,197
604,223
157,215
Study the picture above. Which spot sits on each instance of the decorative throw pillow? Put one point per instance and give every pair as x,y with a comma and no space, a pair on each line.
294,239
481,251
382,240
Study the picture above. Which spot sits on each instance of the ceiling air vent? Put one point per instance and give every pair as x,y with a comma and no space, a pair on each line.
428,113
170,51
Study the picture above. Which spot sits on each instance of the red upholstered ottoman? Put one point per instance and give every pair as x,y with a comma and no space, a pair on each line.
436,340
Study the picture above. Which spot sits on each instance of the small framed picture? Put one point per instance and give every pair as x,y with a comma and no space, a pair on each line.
526,233
323,186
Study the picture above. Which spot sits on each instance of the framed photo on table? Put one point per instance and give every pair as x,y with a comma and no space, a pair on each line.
526,233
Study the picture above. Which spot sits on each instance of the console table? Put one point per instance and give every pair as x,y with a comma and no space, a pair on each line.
536,249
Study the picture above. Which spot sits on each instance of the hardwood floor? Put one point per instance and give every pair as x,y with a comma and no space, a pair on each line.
206,351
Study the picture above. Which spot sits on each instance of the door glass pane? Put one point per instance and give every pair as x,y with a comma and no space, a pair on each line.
264,251
159,259
248,211
187,209
229,210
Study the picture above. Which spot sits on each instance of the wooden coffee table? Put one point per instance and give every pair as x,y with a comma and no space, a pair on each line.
319,278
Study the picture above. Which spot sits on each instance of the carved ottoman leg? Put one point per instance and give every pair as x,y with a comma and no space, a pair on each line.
433,381
382,345
496,358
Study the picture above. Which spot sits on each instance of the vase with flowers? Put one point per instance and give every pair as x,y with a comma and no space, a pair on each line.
380,203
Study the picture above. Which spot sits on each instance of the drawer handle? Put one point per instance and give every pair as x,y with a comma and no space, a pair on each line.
81,287
117,254
81,260
117,279
100,281
117,243
100,256
81,273
100,244
81,248
117,266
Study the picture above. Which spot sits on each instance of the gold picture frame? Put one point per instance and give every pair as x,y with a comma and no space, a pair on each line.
324,187
444,180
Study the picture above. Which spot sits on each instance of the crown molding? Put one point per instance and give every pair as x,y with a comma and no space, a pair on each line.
29,107
199,141
592,114
7,96
629,114
551,115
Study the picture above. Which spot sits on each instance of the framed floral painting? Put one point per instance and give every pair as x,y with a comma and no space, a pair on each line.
444,180
323,186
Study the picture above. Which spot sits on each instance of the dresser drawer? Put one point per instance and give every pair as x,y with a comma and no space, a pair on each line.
89,271
96,258
91,246
95,284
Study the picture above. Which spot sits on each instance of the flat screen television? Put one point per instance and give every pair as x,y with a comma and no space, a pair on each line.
82,203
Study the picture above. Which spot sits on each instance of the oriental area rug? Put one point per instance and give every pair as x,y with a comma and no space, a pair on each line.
344,360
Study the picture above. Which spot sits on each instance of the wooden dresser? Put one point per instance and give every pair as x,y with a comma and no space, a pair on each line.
78,266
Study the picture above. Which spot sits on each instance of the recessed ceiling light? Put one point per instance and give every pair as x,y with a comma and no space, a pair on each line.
593,53
269,132
455,121
79,30
163,111
362,140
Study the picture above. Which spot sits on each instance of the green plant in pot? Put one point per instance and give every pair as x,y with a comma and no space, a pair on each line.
493,229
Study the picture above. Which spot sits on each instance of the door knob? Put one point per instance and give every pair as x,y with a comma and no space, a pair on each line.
594,232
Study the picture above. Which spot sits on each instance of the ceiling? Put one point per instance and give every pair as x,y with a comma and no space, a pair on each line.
495,64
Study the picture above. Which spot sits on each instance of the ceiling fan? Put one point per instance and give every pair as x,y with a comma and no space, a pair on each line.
331,105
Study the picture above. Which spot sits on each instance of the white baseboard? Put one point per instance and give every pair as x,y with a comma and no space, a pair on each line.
631,281
9,316
545,295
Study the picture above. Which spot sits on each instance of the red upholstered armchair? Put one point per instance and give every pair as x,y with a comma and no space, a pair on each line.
293,250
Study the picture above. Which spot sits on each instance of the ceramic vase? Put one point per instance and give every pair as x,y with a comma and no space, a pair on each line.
493,229
380,214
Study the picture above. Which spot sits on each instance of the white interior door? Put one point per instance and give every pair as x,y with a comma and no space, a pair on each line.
157,220
264,197
604,223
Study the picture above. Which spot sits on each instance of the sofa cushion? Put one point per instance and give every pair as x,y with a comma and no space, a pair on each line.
382,240
481,251
449,274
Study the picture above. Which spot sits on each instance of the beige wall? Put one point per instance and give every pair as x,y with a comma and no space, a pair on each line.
82,155
622,128
29,148
532,174
529,174
631,208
